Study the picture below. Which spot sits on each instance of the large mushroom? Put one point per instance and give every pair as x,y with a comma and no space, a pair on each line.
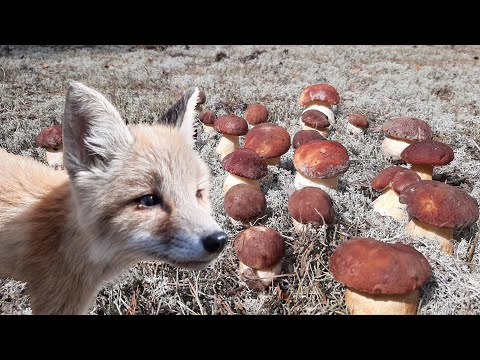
244,203
268,140
310,205
436,209
243,166
231,127
320,97
380,278
319,163
391,182
255,114
401,132
260,250
51,140
426,154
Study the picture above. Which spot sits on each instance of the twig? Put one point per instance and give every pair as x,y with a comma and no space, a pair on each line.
472,248
476,145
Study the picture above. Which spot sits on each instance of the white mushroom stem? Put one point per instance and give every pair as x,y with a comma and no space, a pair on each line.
272,161
372,304
424,171
393,147
387,204
420,229
227,144
55,156
232,180
325,184
355,129
323,107
208,127
266,276
324,132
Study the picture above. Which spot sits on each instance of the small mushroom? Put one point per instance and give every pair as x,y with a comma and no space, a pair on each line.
51,140
426,154
320,97
315,120
268,140
244,203
231,127
380,278
260,250
401,132
319,163
243,166
357,123
391,182
310,205
201,100
207,118
304,136
436,209
255,114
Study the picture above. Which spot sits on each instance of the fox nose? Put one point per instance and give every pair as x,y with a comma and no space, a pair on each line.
215,242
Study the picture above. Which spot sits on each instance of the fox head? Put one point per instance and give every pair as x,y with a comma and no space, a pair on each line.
139,191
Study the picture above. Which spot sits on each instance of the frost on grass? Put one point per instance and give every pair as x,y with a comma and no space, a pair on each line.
434,83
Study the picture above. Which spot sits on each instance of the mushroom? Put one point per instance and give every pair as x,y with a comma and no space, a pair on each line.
244,203
319,163
207,118
231,127
51,140
426,154
268,140
260,250
255,114
357,123
315,120
436,209
380,278
304,136
401,132
391,182
201,100
320,97
243,166
310,205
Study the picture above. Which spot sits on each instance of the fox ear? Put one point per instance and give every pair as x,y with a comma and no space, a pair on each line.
93,131
182,114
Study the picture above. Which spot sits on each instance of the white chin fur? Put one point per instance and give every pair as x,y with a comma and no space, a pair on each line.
324,108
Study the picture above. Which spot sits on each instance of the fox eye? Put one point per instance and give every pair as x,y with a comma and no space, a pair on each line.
199,194
148,200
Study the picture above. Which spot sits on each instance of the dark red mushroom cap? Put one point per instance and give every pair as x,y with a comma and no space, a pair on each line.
311,205
409,128
384,177
428,152
244,202
402,179
268,140
322,159
256,114
439,204
374,267
304,136
315,119
259,247
319,92
245,163
207,117
231,125
201,97
50,137
358,120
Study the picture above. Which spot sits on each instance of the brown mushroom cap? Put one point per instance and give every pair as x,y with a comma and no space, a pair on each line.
384,177
256,114
245,163
311,205
50,137
231,125
358,120
428,152
319,92
244,202
409,128
201,97
322,159
207,117
259,247
439,204
315,119
304,136
374,267
402,179
268,140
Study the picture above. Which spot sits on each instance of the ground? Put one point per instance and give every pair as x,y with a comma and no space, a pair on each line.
436,83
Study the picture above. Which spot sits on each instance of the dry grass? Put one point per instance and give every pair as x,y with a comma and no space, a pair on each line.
436,83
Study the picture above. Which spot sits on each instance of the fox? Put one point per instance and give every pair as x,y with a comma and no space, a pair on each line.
127,193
